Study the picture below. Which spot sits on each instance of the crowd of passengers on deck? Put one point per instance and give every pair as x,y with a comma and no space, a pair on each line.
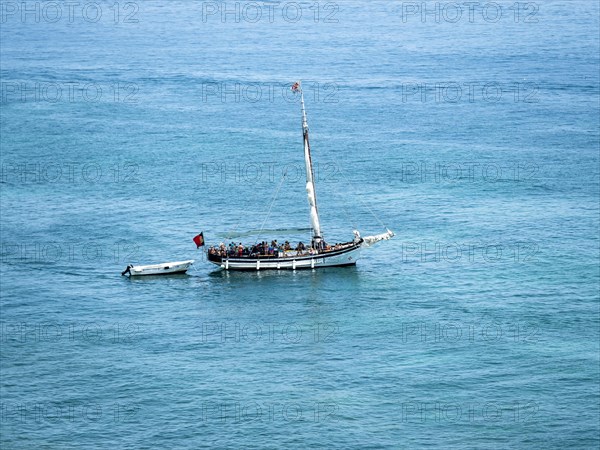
263,249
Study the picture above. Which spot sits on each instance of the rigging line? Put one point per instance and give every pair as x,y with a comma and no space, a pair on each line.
364,204
230,234
272,203
347,214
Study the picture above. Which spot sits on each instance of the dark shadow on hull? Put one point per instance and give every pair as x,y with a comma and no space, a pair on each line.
264,269
180,274
222,273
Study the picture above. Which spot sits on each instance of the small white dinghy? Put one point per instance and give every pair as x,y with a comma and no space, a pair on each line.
168,268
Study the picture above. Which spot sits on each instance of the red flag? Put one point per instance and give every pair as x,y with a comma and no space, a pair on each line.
296,86
199,240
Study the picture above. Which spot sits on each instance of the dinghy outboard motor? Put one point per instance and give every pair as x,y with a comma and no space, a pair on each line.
127,270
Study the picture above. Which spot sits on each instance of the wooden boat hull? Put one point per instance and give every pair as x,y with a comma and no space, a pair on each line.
344,257
170,268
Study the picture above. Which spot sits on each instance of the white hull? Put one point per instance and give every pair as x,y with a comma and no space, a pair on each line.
344,258
169,268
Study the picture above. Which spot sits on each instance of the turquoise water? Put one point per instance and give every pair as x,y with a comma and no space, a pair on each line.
474,137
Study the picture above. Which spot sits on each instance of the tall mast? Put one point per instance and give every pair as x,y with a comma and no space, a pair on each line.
310,182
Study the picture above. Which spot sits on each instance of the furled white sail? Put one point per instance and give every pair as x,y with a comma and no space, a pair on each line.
310,182
370,240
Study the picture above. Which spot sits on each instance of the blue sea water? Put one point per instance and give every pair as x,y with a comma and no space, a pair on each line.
127,128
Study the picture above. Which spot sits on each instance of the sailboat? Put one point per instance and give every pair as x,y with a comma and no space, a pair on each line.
319,254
